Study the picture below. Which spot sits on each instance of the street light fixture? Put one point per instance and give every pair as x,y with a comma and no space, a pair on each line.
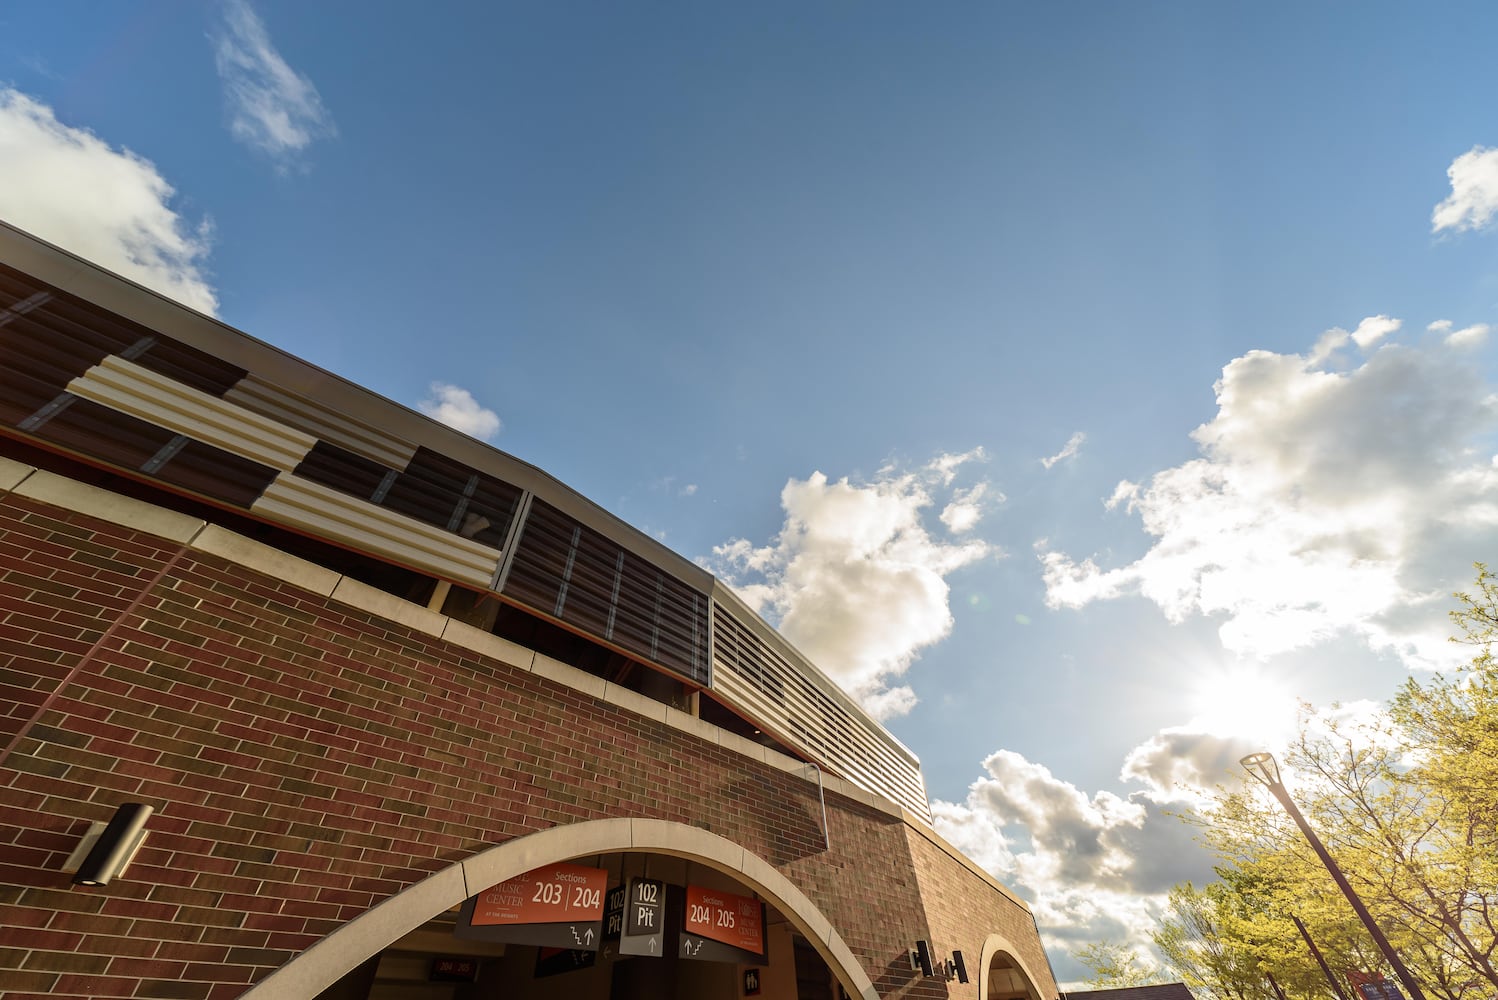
1263,768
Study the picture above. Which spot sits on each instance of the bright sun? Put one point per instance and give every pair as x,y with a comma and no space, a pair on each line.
1245,701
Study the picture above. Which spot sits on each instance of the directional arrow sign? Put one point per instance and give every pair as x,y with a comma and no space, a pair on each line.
559,905
644,918
722,927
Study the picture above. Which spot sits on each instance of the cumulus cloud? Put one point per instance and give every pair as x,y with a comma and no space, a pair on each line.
1093,867
1474,192
68,186
1070,449
458,409
855,579
273,109
1332,497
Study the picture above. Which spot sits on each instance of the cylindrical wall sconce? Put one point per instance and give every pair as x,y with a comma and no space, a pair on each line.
113,846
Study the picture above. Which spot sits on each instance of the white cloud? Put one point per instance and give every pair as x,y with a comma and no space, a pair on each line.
1070,449
1373,329
1469,336
1324,503
1093,867
945,466
854,579
69,187
689,490
458,409
967,508
273,109
1474,192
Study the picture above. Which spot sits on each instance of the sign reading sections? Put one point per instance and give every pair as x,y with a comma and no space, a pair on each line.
558,905
718,926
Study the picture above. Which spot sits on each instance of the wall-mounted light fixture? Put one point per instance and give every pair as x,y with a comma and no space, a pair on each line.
922,957
959,966
108,847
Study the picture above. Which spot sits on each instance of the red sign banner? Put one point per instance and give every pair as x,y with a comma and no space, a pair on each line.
738,921
548,895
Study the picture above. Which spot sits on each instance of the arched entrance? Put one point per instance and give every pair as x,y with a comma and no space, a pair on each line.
367,935
1002,974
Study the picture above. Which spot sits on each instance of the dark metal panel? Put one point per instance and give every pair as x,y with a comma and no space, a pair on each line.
342,470
213,472
100,432
579,577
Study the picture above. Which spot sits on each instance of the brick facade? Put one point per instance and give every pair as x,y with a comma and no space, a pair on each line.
308,759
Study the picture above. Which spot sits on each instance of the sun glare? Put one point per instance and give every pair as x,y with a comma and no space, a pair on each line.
1244,701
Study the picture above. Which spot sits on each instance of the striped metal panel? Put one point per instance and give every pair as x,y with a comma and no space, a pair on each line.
322,422
364,527
577,576
126,442
131,388
792,700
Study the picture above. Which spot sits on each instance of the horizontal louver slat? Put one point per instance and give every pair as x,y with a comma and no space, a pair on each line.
364,527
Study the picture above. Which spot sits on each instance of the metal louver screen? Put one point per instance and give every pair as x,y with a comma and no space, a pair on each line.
52,337
579,577
432,488
768,686
342,470
128,442
41,352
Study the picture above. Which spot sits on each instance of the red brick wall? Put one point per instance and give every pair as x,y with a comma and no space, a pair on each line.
963,909
307,760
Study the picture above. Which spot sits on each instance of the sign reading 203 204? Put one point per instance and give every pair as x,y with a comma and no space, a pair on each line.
558,906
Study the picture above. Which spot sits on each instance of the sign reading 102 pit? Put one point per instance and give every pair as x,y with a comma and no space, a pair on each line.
557,906
721,927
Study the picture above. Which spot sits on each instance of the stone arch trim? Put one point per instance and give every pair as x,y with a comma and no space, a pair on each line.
329,959
996,944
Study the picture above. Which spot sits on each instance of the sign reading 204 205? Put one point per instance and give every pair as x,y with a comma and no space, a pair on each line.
721,927
558,906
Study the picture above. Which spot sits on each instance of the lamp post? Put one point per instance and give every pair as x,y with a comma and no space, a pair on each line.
1264,770
1326,969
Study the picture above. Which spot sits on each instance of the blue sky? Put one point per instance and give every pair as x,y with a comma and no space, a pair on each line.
1055,374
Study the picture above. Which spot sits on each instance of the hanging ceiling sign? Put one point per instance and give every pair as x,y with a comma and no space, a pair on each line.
644,919
718,926
613,920
559,906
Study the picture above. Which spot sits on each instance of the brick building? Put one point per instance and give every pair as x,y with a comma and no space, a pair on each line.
363,668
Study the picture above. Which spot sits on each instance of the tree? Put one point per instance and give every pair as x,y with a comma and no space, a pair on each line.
1204,941
1115,965
1410,811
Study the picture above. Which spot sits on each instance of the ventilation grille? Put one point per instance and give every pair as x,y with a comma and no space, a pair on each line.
579,577
764,685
